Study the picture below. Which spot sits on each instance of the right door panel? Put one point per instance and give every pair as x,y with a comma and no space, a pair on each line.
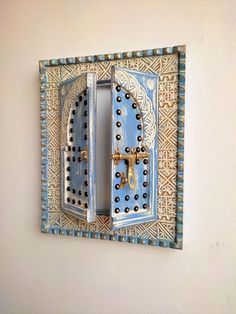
134,173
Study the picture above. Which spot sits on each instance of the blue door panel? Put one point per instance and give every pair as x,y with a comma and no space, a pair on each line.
78,146
134,147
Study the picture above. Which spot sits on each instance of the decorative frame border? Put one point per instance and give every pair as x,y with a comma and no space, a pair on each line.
43,65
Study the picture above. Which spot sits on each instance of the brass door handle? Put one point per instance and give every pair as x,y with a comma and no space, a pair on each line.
131,158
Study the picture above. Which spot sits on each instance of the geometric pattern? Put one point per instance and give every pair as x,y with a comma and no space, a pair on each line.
169,64
129,82
76,89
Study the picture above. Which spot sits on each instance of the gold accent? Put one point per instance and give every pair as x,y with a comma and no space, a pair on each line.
84,153
123,181
131,158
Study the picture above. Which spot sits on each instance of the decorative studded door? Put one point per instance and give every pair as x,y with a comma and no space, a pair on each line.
78,146
134,147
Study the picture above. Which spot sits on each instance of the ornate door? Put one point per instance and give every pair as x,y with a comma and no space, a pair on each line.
78,146
134,147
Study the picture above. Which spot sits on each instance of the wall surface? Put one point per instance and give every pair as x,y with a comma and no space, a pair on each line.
54,274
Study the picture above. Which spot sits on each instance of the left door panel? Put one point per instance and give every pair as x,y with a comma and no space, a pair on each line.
78,146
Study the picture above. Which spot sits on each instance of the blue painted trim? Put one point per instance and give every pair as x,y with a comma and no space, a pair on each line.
180,149
45,228
44,147
113,56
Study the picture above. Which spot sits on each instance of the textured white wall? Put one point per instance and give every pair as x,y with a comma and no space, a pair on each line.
53,274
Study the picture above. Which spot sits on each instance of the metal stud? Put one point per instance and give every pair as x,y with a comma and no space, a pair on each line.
68,158
86,194
86,183
73,201
71,130
85,205
136,197
68,189
143,149
68,199
117,174
79,149
74,158
79,202
69,148
145,161
73,111
139,127
117,199
134,106
80,193
144,195
79,159
118,99
117,210
77,104
144,206
145,172
118,112
73,148
68,168
145,184
71,139
136,208
85,125
71,120
117,186
137,149
127,149
68,178
126,209
118,124
118,137
80,98
137,161
73,191
127,197
127,96
85,171
118,88
85,102
85,113
138,116
139,138
85,92
85,137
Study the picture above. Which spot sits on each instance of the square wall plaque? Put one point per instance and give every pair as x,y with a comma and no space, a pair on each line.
112,141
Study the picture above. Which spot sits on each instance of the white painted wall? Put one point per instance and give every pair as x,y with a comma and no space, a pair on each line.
53,274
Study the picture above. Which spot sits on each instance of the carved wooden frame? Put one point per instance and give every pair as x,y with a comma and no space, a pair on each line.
52,72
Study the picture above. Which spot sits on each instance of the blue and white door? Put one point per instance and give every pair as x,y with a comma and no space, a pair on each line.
134,147
78,146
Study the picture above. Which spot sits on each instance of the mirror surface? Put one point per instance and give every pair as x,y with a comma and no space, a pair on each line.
103,137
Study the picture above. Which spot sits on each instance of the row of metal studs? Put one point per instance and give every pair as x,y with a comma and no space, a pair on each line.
127,150
79,149
118,112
